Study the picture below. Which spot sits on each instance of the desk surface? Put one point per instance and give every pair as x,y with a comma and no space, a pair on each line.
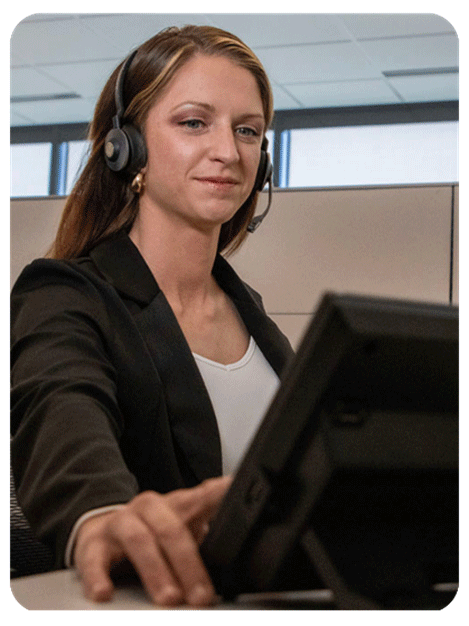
62,590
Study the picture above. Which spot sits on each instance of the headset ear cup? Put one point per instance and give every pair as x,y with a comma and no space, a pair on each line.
264,171
138,150
125,150
116,150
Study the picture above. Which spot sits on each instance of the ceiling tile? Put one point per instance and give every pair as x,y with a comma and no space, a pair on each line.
20,120
370,26
308,63
260,30
433,88
58,41
26,81
347,93
127,31
283,100
409,53
48,17
56,111
15,58
87,78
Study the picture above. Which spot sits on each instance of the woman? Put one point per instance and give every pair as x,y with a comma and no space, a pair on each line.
136,349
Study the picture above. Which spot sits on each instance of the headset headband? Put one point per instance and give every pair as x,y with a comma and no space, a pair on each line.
119,90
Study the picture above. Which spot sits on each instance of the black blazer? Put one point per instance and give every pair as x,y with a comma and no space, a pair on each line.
107,400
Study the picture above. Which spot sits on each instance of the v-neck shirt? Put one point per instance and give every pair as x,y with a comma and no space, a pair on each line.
240,393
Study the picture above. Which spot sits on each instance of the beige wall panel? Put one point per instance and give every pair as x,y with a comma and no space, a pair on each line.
382,241
293,326
33,224
456,247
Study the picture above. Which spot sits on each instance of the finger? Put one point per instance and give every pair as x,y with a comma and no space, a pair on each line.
180,551
199,502
197,506
141,547
93,562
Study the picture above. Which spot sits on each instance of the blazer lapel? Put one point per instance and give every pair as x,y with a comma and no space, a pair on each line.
190,411
272,343
191,415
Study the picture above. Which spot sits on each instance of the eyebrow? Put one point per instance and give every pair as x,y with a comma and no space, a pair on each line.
203,105
211,108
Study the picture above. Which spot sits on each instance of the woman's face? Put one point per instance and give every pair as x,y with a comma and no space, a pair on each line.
203,137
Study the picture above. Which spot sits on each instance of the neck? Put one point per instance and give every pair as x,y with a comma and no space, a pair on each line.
180,258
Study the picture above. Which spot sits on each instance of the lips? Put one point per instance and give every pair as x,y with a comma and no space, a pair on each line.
218,181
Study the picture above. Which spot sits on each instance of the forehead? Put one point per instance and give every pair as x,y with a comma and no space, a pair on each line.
215,77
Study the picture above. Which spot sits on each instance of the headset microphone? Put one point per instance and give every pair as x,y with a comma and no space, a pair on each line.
257,221
264,176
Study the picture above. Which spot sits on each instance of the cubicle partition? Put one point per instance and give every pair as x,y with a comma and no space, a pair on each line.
384,241
387,241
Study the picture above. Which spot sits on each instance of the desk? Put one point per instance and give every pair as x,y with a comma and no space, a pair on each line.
62,590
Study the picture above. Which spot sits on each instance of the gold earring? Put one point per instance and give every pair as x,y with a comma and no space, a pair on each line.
137,183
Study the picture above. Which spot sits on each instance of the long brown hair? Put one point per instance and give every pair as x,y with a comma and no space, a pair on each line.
101,202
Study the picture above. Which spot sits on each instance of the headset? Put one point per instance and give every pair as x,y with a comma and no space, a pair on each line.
125,150
263,176
124,146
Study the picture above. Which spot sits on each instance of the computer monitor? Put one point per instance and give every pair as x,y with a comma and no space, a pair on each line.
351,481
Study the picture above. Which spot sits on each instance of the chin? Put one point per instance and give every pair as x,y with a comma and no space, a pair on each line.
219,215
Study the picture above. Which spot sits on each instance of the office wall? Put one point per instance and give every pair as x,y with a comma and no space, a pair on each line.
32,227
392,241
455,240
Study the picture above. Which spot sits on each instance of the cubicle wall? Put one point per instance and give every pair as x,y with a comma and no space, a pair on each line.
455,249
33,223
393,241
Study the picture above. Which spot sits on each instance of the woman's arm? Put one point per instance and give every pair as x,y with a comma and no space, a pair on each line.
66,428
65,419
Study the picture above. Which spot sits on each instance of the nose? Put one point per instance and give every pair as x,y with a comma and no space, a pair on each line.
223,145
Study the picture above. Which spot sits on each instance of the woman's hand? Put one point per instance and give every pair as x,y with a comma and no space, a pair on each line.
159,534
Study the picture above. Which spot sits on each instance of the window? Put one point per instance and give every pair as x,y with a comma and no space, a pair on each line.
77,152
30,165
382,154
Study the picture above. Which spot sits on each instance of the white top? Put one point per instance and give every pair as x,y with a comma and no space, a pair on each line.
240,393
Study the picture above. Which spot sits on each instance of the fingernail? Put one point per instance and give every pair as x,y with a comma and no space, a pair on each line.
169,595
200,595
100,592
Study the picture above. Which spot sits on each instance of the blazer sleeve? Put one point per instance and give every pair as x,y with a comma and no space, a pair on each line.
65,419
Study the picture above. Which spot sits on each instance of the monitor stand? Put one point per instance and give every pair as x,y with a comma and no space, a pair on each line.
379,579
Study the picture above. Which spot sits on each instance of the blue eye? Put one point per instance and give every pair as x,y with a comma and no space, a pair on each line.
247,131
192,124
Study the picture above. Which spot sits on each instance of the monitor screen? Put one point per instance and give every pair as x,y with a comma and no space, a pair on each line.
351,481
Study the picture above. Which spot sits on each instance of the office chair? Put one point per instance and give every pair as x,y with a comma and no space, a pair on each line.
28,555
